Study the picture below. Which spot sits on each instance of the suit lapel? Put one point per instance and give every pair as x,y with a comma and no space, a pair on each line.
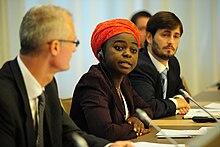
29,127
158,79
128,97
118,103
128,100
52,122
115,95
47,123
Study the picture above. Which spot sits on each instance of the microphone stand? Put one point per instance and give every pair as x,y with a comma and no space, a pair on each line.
145,117
186,95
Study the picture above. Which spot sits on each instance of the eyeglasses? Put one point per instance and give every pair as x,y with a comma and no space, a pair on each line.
76,42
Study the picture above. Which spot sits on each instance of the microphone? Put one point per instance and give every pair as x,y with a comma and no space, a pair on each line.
195,118
145,117
78,141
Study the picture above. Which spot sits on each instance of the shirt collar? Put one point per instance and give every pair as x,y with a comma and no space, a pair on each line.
33,88
159,66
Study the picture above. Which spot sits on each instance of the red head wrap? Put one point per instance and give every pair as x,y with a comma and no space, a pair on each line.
110,28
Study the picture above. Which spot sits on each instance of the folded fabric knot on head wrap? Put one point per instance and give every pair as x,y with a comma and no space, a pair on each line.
110,28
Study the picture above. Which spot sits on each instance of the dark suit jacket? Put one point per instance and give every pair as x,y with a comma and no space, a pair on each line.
146,81
16,123
97,109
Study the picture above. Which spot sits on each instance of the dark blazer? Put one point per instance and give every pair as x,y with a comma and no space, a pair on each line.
16,123
146,81
97,109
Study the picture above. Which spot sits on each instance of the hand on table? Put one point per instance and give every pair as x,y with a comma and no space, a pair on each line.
182,106
138,126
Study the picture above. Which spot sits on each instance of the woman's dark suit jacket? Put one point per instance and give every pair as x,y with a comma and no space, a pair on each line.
16,123
146,81
97,109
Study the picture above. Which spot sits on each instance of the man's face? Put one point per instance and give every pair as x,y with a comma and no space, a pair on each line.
67,48
141,24
64,55
165,42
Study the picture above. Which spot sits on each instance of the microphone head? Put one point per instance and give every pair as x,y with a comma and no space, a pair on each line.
79,141
184,93
143,115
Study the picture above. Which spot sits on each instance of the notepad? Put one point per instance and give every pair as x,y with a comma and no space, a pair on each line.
200,112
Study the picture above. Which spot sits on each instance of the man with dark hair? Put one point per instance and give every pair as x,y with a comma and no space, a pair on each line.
156,77
30,110
140,19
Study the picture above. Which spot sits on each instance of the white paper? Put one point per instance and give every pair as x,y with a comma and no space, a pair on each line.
213,106
200,112
175,133
150,144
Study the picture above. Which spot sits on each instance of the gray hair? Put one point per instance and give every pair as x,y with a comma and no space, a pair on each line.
42,24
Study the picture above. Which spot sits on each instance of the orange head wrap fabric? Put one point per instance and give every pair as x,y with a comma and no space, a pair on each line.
110,28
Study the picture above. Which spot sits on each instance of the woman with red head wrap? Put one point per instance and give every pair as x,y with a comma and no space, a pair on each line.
107,29
104,102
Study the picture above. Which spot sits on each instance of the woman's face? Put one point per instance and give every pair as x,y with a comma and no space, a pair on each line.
121,54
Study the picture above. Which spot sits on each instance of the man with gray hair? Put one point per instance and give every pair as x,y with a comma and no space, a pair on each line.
30,110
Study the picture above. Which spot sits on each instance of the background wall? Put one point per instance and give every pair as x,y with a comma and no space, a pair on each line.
198,51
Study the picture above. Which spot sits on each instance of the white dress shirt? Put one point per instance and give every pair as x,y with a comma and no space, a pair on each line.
160,68
33,88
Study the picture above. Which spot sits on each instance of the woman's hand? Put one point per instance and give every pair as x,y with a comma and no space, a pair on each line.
138,126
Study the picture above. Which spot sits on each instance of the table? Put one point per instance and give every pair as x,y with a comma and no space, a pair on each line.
151,137
177,121
198,141
209,95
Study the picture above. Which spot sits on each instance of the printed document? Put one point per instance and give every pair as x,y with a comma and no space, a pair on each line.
200,112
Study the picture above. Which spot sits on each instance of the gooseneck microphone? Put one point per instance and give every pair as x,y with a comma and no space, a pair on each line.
195,118
78,141
145,117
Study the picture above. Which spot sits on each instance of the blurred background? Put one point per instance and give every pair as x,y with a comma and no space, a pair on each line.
198,51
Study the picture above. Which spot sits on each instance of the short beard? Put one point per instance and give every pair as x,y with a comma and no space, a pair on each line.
155,46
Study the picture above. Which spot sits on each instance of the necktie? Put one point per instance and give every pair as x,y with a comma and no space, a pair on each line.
164,82
41,107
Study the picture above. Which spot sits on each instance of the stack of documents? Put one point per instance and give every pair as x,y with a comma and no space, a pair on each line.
182,133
